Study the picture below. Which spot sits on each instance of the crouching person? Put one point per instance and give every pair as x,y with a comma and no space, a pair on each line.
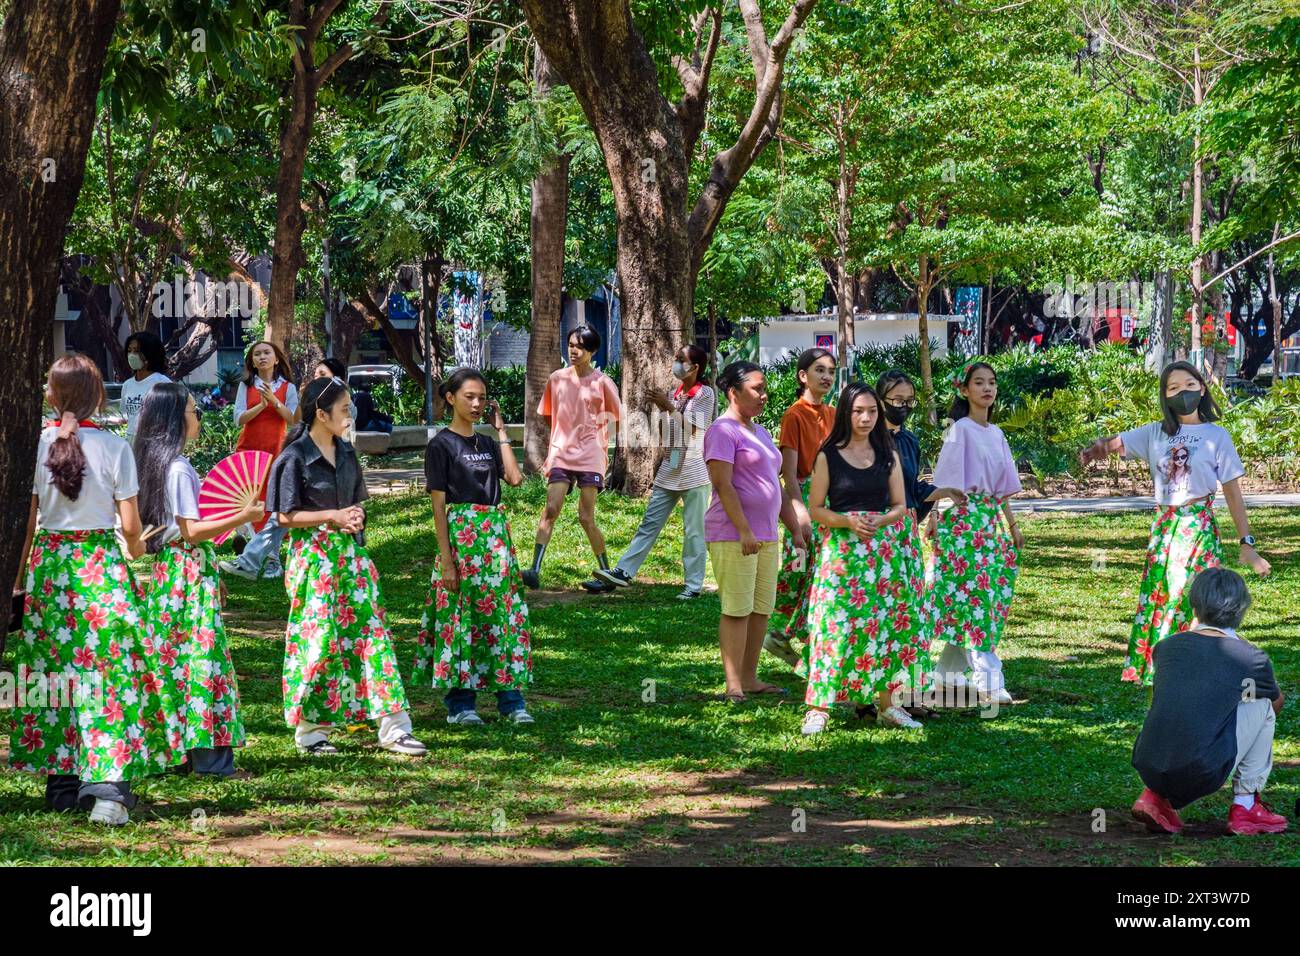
1213,712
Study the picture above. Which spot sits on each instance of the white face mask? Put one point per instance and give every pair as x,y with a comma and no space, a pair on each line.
135,360
680,371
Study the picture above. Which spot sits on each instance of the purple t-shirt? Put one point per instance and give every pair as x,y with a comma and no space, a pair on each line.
755,473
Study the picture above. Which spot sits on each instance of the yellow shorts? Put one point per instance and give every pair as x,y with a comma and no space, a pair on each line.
746,582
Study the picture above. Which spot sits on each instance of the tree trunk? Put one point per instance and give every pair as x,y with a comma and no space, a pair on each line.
431,283
843,226
51,58
290,218
923,285
1162,315
547,227
647,145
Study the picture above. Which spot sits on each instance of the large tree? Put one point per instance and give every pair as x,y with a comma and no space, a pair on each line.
51,57
648,143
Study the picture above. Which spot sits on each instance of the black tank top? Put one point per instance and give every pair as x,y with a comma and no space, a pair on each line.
853,488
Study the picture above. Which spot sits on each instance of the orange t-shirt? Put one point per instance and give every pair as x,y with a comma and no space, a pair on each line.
804,429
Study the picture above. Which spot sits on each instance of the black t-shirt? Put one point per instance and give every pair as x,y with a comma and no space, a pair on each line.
467,470
1188,742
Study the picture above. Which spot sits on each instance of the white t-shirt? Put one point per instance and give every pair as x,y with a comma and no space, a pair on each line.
1186,466
182,496
109,478
133,393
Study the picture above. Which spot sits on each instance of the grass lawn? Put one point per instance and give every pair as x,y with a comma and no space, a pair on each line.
609,775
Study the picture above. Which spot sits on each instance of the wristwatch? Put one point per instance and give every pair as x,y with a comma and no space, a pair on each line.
1249,540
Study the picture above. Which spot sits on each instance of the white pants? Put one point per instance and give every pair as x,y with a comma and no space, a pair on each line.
391,726
1255,725
987,669
695,501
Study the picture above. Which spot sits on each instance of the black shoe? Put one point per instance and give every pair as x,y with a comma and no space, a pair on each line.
321,748
238,543
598,587
614,576
531,578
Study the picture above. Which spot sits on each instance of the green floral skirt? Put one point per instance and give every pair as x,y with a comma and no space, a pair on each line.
1184,542
789,618
477,638
92,697
339,662
864,623
183,611
975,568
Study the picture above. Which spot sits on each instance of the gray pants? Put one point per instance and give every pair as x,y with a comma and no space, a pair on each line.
65,793
265,546
657,511
1255,725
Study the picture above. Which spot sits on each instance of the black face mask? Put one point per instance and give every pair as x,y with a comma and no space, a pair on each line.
895,415
1184,403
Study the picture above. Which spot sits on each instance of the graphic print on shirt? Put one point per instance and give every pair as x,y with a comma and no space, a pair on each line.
1175,466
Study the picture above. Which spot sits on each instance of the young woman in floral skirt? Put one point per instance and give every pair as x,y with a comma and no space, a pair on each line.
976,559
339,661
865,642
101,719
804,428
474,635
1189,458
183,604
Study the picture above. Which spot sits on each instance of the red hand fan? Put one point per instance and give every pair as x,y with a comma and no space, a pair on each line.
232,485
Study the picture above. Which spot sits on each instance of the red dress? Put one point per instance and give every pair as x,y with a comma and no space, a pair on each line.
265,432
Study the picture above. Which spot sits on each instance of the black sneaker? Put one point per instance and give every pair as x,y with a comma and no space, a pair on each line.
321,748
614,576
531,578
598,587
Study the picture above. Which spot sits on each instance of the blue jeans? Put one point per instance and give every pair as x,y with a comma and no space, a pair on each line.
459,700
265,547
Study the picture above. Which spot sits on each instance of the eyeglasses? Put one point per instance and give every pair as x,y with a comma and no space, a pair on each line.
198,413
897,404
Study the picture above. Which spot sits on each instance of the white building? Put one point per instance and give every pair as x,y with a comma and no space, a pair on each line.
783,335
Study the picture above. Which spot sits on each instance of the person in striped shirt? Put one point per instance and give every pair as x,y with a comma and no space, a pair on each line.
682,476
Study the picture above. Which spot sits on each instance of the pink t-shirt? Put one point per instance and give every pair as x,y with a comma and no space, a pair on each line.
755,473
976,459
580,411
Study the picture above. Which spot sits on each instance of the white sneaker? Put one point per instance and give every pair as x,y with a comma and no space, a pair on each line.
520,716
1001,696
468,717
814,722
406,744
780,648
897,717
237,569
110,813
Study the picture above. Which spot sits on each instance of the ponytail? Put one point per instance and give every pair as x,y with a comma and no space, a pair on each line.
310,402
75,390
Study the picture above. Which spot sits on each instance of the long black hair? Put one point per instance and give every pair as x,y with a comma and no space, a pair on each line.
960,407
891,379
319,393
159,440
151,350
882,443
806,360
700,359
1207,409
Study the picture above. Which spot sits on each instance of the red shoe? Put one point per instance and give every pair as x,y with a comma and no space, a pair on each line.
1258,819
1155,812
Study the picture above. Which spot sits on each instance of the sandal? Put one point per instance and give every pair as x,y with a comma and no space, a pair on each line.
769,689
732,698
814,722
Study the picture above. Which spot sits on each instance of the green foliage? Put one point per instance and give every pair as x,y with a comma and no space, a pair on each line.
405,404
217,436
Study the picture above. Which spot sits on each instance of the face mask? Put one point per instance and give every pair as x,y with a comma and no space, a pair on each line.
895,415
680,370
1184,403
135,360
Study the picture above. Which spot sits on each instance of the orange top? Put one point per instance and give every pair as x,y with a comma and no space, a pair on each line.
265,432
804,429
